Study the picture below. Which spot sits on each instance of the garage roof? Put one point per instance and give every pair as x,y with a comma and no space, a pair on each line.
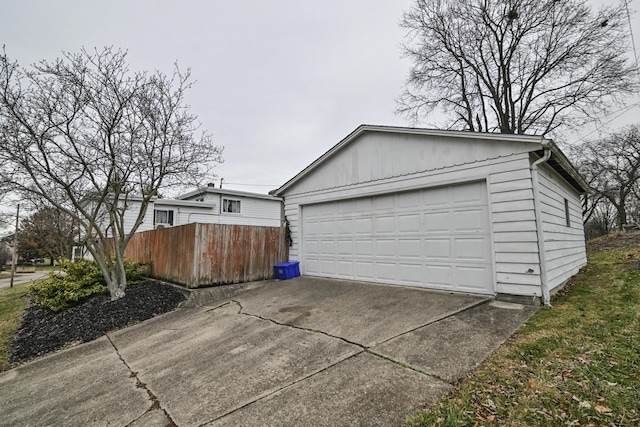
558,160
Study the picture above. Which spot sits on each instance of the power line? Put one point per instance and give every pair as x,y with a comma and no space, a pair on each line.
633,42
598,128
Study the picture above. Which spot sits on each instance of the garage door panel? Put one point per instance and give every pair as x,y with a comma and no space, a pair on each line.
472,279
312,247
437,238
364,270
385,247
472,193
364,248
437,222
345,269
439,275
470,220
384,202
436,197
409,223
363,225
345,247
385,224
437,248
327,247
472,249
410,273
386,271
328,267
410,248
312,266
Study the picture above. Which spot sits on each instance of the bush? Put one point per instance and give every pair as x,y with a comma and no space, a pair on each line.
80,280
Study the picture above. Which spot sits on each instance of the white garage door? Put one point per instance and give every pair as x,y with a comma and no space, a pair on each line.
436,238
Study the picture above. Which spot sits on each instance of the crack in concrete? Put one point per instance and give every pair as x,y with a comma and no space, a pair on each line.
363,347
155,402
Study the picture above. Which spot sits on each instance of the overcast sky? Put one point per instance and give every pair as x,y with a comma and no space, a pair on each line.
279,82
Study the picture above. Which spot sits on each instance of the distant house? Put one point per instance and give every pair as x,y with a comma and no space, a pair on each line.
457,211
208,205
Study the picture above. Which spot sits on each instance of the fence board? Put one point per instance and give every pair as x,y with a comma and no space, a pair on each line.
210,254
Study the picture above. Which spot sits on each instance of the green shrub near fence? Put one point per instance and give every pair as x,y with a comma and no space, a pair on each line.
80,279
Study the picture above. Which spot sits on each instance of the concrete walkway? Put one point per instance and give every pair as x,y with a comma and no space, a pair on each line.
298,352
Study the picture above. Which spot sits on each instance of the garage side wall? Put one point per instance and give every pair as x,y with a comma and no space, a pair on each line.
564,240
509,184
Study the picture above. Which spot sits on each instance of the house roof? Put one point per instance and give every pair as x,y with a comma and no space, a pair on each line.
558,160
185,203
226,192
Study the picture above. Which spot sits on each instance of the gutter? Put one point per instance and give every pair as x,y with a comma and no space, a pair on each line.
544,284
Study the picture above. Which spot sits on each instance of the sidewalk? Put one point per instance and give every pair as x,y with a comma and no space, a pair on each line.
21,278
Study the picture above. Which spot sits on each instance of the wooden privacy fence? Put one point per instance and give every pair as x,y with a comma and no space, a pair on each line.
210,254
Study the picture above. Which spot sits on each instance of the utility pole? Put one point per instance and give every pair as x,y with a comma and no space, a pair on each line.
14,259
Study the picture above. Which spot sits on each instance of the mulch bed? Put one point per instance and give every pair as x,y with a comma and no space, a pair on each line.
43,331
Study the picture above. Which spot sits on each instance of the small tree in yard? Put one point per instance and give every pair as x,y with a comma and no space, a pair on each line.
515,66
93,140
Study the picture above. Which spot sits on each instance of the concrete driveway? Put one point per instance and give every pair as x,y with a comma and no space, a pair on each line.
304,351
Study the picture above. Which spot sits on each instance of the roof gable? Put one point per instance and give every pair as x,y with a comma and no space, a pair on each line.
376,152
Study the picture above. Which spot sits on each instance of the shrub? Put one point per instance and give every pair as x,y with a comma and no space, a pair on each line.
81,279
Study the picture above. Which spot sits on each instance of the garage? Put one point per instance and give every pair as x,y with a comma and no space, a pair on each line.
436,237
469,212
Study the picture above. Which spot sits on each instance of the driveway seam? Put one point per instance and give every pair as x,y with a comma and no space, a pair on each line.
155,402
313,374
437,319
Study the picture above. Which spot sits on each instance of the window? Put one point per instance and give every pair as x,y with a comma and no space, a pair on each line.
566,213
230,206
161,216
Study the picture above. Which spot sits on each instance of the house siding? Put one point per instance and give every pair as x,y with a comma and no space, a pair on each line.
260,212
257,212
565,249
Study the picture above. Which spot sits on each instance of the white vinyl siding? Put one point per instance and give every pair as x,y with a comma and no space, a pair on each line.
564,245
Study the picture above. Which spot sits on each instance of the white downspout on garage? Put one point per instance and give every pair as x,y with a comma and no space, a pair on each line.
546,298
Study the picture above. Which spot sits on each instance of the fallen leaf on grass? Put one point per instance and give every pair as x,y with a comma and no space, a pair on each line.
601,409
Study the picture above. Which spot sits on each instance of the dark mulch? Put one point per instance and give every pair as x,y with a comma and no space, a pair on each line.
43,331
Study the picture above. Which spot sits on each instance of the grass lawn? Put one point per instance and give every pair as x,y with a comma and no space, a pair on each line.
575,364
12,303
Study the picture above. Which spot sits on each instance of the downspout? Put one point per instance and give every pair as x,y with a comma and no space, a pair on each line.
546,298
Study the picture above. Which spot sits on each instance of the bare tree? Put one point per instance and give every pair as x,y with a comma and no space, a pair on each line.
47,232
93,139
515,66
613,163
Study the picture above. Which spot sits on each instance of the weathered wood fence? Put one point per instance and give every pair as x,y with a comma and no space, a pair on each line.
210,254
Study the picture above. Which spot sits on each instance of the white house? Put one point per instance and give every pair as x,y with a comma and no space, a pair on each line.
210,205
459,211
